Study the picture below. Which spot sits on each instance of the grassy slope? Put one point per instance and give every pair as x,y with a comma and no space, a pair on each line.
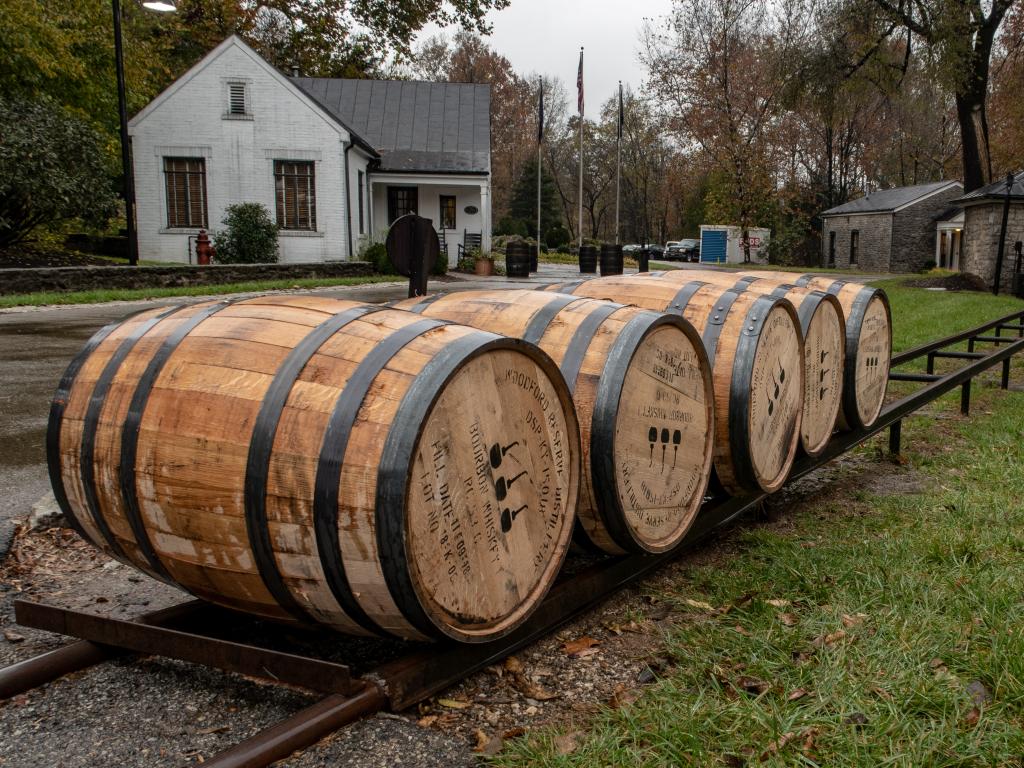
928,576
136,294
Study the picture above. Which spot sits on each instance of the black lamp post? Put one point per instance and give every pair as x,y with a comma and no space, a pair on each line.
122,106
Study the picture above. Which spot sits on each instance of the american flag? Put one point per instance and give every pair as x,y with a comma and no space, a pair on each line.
579,85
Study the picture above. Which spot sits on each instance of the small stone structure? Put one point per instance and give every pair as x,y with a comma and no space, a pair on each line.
983,219
101,278
892,230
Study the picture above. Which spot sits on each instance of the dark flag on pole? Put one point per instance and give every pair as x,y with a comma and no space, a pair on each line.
540,111
579,85
622,111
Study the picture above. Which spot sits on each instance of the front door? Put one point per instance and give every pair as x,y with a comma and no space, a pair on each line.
402,200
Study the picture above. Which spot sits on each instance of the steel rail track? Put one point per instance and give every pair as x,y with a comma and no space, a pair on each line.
424,672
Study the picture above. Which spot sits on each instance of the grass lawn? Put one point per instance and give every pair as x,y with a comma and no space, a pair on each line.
879,623
139,294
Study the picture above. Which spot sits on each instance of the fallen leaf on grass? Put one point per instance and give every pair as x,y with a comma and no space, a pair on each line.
487,745
856,719
776,746
565,744
807,734
799,693
579,646
623,696
454,703
742,631
700,604
778,602
752,685
936,663
978,692
971,718
881,693
853,621
789,619
830,639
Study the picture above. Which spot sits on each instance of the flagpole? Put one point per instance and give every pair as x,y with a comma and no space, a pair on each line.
540,140
579,85
618,166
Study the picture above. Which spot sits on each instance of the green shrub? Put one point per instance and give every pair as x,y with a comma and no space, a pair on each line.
557,236
564,248
249,236
441,265
377,255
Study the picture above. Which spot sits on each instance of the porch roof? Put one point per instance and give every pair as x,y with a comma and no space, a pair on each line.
417,127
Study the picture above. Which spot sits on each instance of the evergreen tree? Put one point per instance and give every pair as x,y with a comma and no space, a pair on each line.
524,200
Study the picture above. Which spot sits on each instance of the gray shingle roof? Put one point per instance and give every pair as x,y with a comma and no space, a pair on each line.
887,199
415,126
996,190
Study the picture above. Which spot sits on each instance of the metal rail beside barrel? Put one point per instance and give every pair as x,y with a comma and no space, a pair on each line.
424,672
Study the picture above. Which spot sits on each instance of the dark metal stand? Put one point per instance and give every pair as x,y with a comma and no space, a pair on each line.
126,152
424,672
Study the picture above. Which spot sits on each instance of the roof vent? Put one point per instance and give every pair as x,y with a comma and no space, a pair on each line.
236,99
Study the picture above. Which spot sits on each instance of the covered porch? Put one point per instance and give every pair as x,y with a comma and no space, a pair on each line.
458,206
949,227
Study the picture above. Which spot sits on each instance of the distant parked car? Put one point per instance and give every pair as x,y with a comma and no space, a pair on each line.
631,248
655,251
684,250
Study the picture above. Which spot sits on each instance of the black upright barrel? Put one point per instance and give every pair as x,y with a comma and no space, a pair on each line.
611,259
588,259
517,259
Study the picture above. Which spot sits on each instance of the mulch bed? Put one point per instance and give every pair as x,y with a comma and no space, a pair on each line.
961,281
28,256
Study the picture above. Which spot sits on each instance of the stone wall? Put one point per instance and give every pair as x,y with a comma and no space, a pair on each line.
98,278
982,223
913,234
875,240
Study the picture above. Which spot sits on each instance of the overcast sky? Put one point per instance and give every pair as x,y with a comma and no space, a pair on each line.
545,36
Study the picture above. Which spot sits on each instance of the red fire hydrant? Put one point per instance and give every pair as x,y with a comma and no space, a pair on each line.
204,251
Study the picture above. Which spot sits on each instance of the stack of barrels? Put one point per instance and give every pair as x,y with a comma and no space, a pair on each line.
421,471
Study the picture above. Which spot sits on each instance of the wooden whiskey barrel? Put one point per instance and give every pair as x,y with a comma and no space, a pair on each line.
642,388
611,259
756,352
517,259
588,259
868,343
824,330
323,461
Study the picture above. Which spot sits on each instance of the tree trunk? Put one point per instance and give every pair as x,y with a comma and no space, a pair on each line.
970,112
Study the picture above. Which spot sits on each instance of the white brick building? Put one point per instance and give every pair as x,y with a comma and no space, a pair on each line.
333,160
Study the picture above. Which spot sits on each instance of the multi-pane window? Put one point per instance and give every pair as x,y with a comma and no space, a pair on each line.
854,245
362,183
447,211
401,200
185,178
295,192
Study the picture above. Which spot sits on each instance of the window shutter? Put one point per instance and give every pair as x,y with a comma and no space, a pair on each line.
236,98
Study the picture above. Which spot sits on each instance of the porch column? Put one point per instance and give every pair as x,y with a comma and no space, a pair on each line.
485,215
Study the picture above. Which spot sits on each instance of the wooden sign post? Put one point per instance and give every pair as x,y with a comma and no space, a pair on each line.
413,248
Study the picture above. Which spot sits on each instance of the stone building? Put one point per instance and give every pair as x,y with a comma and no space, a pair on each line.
891,230
983,219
